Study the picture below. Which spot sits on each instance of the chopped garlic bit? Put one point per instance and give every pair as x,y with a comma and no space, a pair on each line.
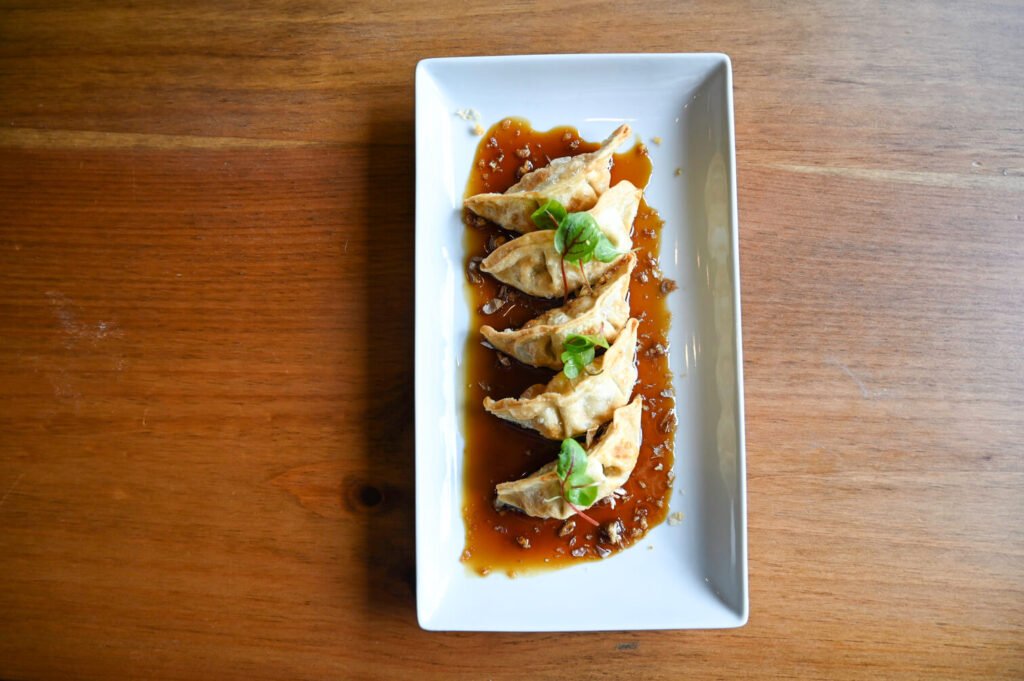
471,116
492,306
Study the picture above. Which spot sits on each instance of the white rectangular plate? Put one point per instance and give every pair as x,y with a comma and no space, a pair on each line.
695,573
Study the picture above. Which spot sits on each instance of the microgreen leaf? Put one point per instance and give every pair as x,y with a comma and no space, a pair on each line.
572,461
577,236
573,365
579,341
604,251
578,353
549,215
582,496
578,489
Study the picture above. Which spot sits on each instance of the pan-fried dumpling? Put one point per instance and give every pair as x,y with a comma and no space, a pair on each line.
531,264
573,181
567,407
610,462
602,313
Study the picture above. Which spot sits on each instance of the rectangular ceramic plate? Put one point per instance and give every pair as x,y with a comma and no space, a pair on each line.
695,574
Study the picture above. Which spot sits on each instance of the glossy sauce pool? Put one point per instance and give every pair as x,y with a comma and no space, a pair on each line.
498,451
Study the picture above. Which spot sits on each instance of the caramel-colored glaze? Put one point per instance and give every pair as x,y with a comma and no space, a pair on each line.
497,451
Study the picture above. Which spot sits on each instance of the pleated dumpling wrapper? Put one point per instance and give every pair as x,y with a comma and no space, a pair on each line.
567,407
610,462
574,181
602,313
531,264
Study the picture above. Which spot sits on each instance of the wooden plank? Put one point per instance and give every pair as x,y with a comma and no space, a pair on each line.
206,339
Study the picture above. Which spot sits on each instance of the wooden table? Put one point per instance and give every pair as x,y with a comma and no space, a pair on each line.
206,317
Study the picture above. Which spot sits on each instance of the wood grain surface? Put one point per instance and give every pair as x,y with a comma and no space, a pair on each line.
206,442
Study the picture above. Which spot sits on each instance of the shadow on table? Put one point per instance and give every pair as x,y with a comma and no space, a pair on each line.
387,496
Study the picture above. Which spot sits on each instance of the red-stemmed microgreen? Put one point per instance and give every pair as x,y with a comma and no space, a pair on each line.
578,353
578,237
549,214
577,488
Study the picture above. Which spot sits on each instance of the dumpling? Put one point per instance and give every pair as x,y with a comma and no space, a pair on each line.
610,462
531,264
602,313
567,407
574,181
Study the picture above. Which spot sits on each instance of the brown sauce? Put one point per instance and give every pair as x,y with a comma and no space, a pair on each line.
498,451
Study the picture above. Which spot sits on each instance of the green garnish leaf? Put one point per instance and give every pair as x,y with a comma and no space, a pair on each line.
604,251
572,461
578,237
582,496
573,365
549,215
578,488
578,353
579,341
